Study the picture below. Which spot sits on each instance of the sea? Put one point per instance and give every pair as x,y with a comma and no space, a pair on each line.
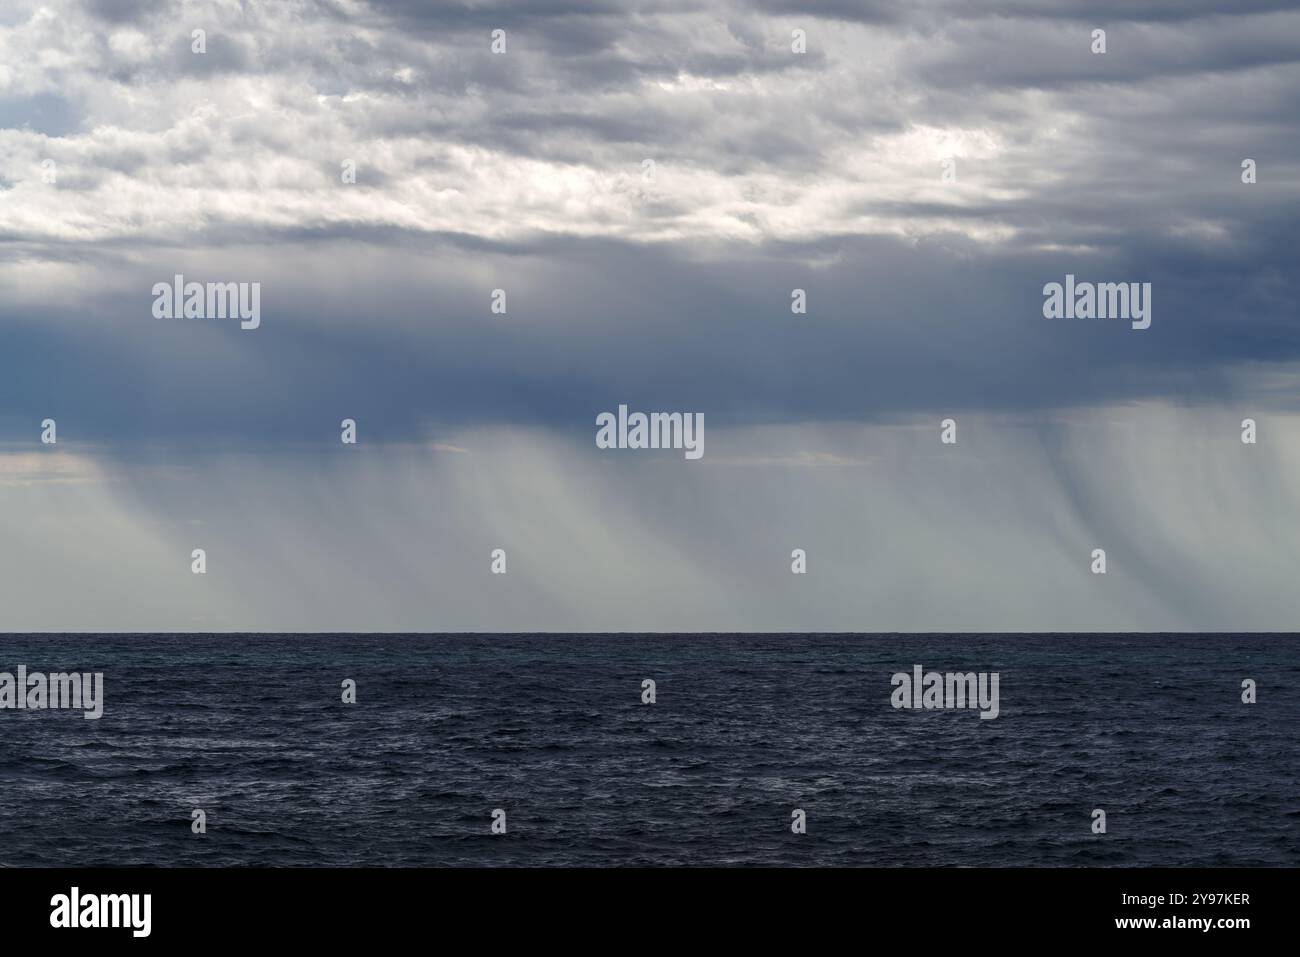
554,738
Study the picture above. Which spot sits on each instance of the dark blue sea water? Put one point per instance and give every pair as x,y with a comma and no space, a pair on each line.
551,728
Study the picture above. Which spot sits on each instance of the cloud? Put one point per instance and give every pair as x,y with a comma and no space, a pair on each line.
401,338
126,159
752,143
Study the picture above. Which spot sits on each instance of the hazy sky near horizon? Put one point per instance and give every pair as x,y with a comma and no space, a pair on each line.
772,171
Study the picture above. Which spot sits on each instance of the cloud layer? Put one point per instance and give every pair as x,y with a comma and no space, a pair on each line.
127,158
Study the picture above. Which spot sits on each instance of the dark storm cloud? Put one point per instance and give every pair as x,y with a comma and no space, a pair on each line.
406,342
1122,167
128,11
885,12
1135,11
1039,53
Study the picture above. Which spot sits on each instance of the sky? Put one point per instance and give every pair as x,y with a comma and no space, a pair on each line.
921,170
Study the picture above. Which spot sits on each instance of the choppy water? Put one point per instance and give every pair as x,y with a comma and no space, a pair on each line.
551,728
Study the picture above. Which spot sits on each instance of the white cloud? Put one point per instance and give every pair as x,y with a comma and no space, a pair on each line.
768,146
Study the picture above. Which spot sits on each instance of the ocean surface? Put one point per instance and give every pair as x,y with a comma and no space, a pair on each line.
745,729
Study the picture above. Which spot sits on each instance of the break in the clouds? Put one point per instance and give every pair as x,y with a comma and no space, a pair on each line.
126,158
